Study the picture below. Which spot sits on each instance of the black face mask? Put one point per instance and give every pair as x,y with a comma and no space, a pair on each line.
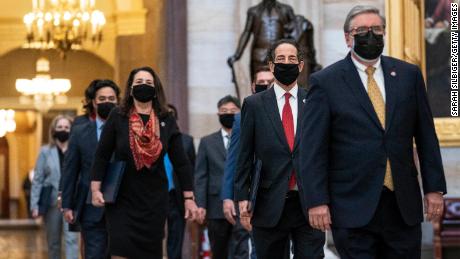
369,46
260,88
104,109
144,93
227,120
61,135
286,73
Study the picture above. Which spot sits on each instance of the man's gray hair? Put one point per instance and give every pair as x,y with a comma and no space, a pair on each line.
360,9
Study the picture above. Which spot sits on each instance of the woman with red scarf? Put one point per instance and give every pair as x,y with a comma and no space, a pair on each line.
140,133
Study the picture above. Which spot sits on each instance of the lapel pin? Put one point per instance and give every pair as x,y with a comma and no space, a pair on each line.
393,73
304,101
162,124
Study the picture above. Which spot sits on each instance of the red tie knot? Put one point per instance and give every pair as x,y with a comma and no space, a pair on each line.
287,95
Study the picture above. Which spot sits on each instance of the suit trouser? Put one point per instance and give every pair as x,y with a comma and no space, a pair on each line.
55,227
176,228
95,238
385,236
223,235
273,243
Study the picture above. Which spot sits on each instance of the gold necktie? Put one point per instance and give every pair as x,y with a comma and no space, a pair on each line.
379,106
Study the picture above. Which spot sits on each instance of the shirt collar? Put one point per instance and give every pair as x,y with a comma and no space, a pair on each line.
362,67
224,133
279,91
99,122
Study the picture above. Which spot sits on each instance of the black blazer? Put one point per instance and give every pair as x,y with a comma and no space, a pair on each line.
75,179
209,172
263,138
115,139
345,148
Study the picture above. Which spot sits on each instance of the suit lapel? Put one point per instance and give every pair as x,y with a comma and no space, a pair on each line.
219,142
271,106
351,77
301,94
92,132
391,87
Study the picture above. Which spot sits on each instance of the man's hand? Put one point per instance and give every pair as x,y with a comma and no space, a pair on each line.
201,215
68,216
320,218
244,208
98,199
434,205
229,211
246,223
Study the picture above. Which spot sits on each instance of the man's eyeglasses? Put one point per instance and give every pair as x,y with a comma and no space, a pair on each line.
363,30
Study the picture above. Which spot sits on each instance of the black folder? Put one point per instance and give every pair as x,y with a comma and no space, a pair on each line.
44,200
112,180
255,179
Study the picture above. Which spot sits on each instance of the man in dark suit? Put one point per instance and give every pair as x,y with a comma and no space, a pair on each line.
269,123
363,114
263,80
76,174
176,220
227,241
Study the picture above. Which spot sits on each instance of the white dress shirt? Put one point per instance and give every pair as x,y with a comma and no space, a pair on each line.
226,137
378,75
279,92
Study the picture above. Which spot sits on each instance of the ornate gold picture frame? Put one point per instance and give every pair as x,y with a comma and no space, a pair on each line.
405,32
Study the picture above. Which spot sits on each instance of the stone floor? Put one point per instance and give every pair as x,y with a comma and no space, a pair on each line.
22,244
25,239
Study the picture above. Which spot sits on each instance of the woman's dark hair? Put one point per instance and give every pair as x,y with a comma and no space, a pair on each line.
158,102
90,93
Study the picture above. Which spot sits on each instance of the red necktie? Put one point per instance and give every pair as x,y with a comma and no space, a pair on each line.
288,125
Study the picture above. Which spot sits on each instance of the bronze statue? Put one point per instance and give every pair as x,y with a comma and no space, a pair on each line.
302,32
270,21
266,21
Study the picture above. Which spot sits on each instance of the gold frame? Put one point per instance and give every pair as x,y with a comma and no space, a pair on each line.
405,22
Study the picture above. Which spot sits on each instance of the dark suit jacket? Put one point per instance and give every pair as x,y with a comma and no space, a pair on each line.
345,148
209,171
75,182
230,163
189,148
263,138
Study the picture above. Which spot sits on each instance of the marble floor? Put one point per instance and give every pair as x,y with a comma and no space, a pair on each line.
22,239
22,244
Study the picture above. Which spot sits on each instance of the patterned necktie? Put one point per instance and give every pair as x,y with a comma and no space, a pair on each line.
288,125
379,106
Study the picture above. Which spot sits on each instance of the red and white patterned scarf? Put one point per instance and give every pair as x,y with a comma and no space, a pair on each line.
144,140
